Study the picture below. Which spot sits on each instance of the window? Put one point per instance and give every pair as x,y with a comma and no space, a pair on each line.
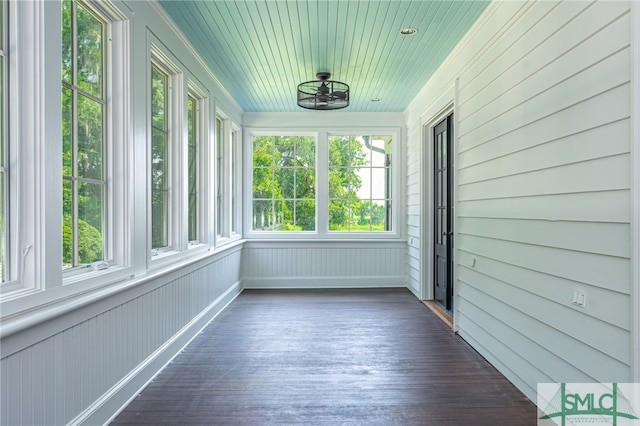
83,135
235,178
284,183
359,183
353,194
193,124
160,159
220,176
178,144
226,180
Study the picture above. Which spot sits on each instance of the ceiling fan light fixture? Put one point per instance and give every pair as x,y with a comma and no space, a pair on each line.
323,94
408,31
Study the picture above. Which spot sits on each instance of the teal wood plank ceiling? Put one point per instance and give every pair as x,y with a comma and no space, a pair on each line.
261,50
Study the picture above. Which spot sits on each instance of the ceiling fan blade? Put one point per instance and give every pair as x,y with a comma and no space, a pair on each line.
339,94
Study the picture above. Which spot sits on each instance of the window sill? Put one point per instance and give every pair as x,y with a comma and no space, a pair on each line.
42,306
328,236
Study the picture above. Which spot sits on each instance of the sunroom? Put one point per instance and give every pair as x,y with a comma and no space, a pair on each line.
156,163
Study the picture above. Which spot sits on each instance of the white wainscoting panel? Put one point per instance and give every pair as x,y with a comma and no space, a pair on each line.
84,373
323,264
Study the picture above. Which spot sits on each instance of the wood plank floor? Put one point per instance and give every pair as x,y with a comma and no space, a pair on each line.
329,357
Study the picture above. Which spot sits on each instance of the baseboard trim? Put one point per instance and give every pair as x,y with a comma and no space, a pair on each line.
112,402
323,282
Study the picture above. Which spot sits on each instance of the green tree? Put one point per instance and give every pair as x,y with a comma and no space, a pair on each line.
346,156
284,183
82,133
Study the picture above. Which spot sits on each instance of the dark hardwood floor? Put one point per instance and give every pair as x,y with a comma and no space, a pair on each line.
329,357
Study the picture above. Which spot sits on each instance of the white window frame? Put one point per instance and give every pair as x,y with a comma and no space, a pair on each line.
202,138
9,282
176,156
117,260
322,185
36,179
104,181
224,179
394,190
235,172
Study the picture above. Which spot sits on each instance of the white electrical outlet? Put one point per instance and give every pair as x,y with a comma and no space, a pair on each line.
580,298
471,261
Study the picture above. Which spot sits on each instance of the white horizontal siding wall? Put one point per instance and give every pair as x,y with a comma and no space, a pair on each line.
341,264
543,177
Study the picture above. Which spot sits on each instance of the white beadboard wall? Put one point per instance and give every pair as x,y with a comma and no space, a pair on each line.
542,180
84,366
323,264
81,359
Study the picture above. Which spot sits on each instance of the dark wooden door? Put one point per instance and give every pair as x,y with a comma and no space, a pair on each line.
443,226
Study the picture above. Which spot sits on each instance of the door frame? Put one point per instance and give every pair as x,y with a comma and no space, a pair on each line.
427,206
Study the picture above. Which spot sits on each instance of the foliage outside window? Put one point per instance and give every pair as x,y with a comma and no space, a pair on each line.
284,183
235,168
83,135
360,183
160,158
192,168
220,182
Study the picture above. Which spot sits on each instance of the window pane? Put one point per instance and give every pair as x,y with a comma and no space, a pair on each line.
305,183
68,221
67,131
284,172
90,52
305,219
220,135
338,215
262,214
338,182
159,171
83,117
263,149
158,98
283,212
379,187
90,222
192,170
263,181
359,174
159,159
67,42
193,218
286,182
90,138
159,219
234,182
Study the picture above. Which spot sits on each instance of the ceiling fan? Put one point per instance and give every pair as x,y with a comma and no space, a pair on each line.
323,94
